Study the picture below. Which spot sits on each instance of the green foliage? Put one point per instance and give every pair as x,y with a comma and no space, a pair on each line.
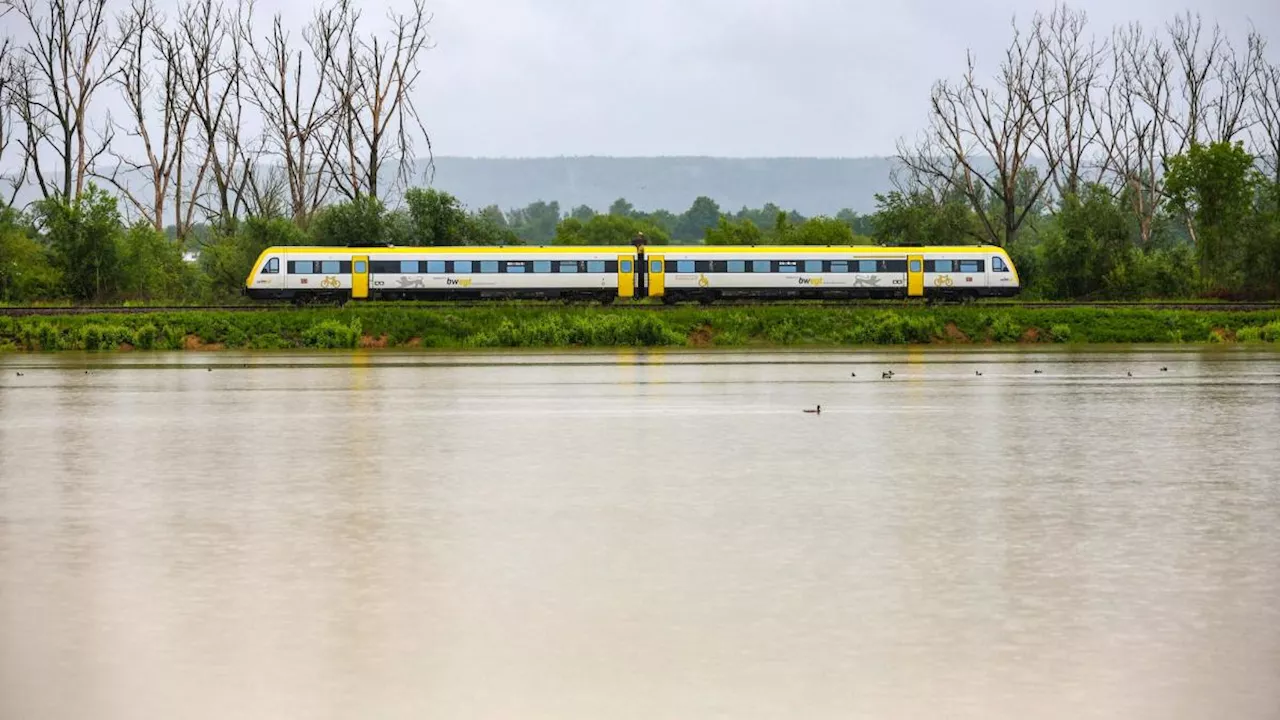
535,224
543,325
332,335
702,216
608,230
26,270
227,260
361,221
152,266
84,236
917,219
1214,186
435,217
727,232
822,231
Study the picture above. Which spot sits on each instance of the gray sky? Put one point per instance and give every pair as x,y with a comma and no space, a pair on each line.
513,78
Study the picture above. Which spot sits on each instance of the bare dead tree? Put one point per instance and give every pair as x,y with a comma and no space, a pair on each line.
296,111
371,84
212,51
1130,117
980,140
10,77
69,57
1064,87
159,114
1267,104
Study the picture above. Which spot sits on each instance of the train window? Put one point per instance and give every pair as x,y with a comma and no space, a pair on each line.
655,267
362,266
330,267
813,266
568,266
839,266
272,267
898,266
542,266
301,267
866,266
611,266
759,266
970,266
386,267
702,266
684,266
737,266
488,266
433,266
787,266
997,265
625,267
515,267
595,266
942,266
462,266
915,266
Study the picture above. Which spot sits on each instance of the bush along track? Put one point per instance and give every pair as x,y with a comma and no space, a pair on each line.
511,326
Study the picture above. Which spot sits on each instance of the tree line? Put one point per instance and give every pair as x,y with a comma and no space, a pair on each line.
1134,162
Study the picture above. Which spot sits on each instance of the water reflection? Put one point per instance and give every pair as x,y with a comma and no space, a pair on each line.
640,534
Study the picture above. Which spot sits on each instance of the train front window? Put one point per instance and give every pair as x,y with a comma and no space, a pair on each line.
272,267
997,265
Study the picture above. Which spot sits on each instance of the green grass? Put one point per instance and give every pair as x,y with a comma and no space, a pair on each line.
504,325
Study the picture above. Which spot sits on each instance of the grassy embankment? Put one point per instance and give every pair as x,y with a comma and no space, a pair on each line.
547,326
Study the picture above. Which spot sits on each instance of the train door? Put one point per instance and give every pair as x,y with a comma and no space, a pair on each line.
657,277
915,275
360,277
626,276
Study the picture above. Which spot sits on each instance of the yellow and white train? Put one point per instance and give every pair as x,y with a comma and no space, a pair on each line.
674,272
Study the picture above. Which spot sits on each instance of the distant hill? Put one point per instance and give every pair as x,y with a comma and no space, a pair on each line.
812,186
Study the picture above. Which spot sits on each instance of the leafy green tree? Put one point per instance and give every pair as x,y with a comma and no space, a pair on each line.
536,223
727,232
1215,187
622,208
436,217
152,267
360,221
583,213
917,219
860,224
229,257
703,215
26,272
823,231
608,230
84,234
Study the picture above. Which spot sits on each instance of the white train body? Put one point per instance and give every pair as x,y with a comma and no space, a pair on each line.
606,272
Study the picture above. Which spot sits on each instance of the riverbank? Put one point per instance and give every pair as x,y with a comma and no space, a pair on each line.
526,325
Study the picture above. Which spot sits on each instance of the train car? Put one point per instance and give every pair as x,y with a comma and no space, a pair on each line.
674,273
338,273
710,272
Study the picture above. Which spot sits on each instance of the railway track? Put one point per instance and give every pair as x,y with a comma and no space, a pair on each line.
121,310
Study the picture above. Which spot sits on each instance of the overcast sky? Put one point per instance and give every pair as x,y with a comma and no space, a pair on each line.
514,78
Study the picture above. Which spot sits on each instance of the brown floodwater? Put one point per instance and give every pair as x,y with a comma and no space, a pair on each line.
640,534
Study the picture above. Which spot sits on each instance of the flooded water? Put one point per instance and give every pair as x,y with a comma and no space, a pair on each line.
641,535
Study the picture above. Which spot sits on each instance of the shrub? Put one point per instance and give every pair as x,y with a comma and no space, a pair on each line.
146,336
1060,333
332,335
1005,329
